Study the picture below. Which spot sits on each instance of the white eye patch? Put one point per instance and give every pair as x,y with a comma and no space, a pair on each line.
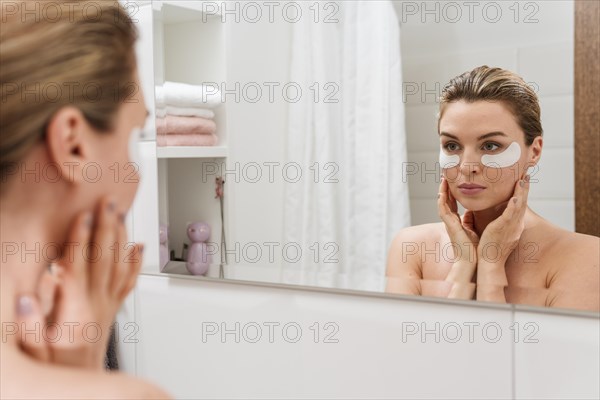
447,161
505,159
134,151
502,160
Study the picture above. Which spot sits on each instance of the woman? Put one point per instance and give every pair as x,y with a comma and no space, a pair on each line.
500,250
70,110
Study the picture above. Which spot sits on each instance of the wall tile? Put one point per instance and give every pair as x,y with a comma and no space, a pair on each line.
556,356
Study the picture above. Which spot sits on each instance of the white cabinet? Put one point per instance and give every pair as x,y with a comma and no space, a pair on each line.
180,41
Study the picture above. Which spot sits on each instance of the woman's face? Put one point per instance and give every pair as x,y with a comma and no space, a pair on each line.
115,154
477,136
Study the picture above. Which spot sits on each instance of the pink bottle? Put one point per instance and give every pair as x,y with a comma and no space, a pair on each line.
198,258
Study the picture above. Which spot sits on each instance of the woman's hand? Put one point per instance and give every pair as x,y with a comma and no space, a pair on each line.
462,235
501,237
87,286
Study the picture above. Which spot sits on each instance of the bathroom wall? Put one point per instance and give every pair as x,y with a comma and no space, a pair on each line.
534,39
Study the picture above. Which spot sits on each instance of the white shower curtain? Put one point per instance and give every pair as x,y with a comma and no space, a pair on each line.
351,200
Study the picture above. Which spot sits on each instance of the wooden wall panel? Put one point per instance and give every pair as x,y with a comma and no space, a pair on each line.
587,116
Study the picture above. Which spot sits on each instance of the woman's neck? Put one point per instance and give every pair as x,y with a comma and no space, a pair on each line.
483,218
25,251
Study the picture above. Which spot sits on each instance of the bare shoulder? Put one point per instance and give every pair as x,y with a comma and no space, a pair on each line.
404,260
58,382
575,278
418,234
581,249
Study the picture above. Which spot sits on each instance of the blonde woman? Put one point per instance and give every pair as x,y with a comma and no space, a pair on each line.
500,250
70,107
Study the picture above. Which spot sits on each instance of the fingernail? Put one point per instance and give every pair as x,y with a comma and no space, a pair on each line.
438,195
87,220
522,183
24,305
111,206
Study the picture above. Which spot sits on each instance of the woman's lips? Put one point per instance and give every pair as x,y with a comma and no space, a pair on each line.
471,191
470,188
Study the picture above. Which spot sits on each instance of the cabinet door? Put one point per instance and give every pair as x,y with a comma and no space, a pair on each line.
141,13
145,207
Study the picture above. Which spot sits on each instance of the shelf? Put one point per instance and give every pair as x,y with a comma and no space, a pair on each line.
191,152
250,273
185,11
178,267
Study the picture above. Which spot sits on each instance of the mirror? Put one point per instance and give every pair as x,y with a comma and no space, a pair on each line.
321,120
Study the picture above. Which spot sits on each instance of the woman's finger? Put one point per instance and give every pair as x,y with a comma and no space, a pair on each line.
123,263
451,200
469,220
525,194
47,289
134,270
31,323
103,244
74,260
449,218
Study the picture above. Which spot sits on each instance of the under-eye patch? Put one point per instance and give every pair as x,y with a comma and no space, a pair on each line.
505,159
448,161
501,160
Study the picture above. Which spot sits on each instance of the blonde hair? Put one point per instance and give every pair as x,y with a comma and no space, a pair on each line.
59,53
497,84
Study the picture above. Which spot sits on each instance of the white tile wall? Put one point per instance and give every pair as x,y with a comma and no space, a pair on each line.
434,51
570,348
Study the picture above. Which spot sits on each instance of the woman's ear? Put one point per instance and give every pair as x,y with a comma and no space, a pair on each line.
535,151
68,150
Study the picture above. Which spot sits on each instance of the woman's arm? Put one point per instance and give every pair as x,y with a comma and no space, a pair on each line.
464,242
404,268
498,240
491,280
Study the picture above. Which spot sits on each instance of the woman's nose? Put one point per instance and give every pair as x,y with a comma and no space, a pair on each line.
470,163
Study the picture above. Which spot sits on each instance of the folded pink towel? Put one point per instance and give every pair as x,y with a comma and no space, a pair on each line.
187,140
175,125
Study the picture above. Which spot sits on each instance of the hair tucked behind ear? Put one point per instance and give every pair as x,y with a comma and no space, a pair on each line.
56,54
497,84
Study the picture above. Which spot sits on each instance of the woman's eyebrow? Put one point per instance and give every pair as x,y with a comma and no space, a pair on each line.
449,135
487,135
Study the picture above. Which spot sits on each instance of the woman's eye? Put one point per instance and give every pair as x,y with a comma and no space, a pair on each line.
451,146
490,146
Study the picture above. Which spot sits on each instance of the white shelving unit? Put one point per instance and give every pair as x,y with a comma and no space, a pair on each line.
186,41
192,152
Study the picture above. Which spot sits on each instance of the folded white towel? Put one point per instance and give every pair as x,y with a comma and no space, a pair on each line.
160,112
184,95
190,112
